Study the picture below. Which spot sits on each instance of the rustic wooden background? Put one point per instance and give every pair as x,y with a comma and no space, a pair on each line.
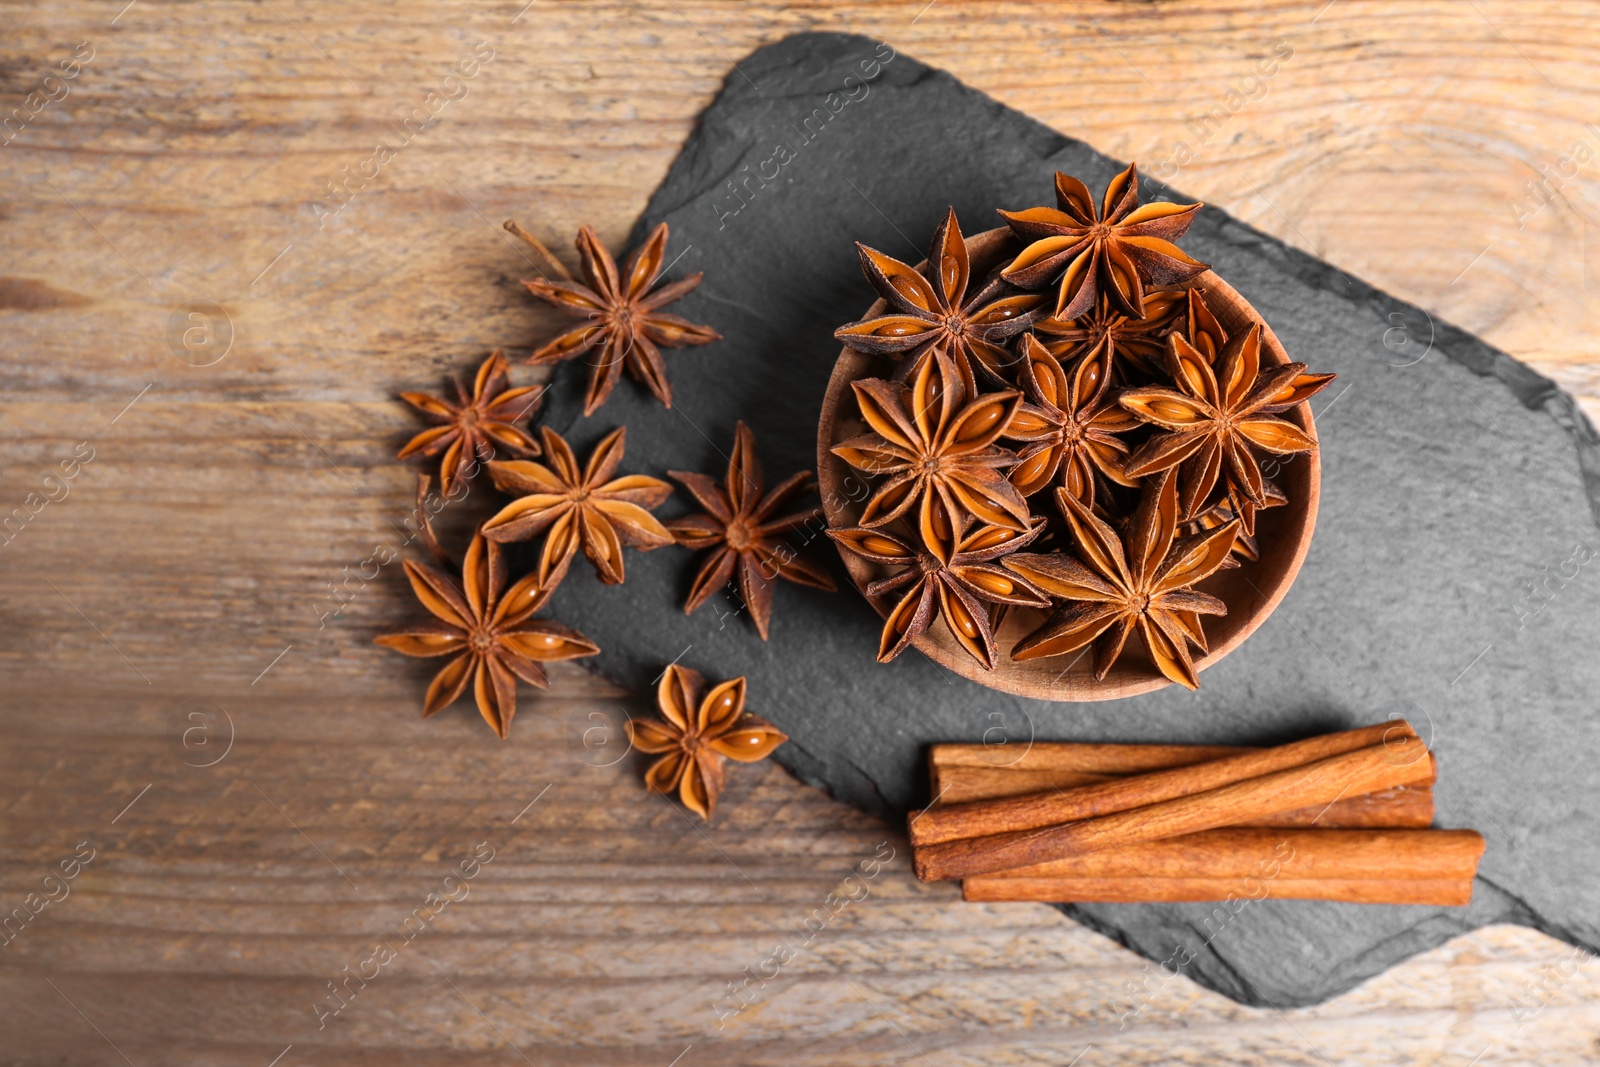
261,797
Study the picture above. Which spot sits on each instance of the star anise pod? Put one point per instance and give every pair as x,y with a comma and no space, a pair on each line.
473,425
1119,249
1071,423
743,527
695,735
1120,585
624,323
1238,507
937,454
1218,416
925,314
1200,327
489,633
1115,340
578,506
958,591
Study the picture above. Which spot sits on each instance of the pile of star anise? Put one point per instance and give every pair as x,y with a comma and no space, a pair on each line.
1081,398
483,624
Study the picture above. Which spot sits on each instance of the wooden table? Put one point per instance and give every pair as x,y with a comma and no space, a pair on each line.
178,593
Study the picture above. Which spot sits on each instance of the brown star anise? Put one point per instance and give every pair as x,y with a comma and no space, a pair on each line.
1071,425
1104,333
1120,249
488,631
1200,328
1218,416
739,522
926,314
1239,507
1119,586
578,506
473,426
937,454
958,591
624,321
696,735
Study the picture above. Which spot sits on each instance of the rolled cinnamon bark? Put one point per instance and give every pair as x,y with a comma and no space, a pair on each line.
1183,801
1406,806
1054,806
1076,756
1268,853
1435,892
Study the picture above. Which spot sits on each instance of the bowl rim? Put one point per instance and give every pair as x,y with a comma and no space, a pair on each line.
1008,676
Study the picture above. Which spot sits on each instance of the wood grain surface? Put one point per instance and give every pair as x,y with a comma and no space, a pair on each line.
251,777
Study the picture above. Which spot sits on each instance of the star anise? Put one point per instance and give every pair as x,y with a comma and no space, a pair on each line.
578,506
1142,583
1218,416
1241,507
489,633
1200,327
926,314
1238,507
1120,249
696,735
741,524
624,321
937,454
473,425
958,591
1114,339
1071,425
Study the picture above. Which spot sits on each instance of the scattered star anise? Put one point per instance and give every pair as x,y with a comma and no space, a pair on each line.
1119,249
489,632
624,321
578,506
925,314
1071,424
1219,416
958,591
1118,586
472,426
1115,340
936,453
741,524
695,735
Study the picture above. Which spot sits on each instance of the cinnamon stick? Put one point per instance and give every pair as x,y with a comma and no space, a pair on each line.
1403,806
1055,806
1268,853
1185,800
1436,892
1076,756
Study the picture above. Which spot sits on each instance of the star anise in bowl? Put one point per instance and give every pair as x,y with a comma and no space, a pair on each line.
1118,439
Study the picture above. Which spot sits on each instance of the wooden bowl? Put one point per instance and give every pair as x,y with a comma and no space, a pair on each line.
1250,591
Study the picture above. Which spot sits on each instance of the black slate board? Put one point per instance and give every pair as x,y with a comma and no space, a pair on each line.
1456,480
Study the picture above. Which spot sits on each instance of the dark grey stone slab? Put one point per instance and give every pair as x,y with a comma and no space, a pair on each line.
1456,480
